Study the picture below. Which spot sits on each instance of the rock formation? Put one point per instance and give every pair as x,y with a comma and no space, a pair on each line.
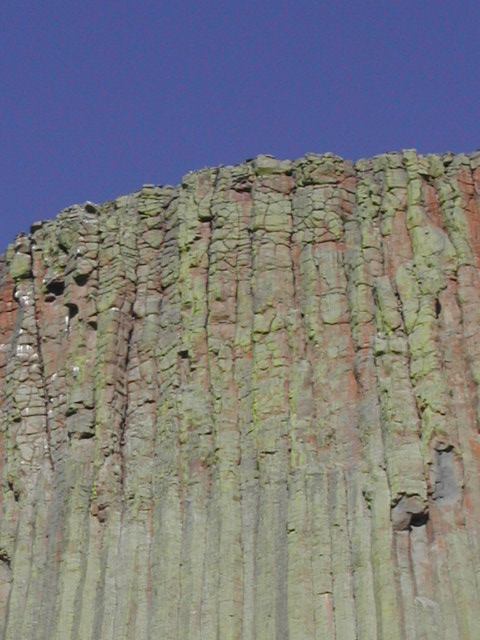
247,408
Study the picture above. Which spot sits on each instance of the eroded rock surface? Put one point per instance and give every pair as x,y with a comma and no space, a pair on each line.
247,408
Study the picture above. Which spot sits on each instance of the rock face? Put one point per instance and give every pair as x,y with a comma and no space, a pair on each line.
247,408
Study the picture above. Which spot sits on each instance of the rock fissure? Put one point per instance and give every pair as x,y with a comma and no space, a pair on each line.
58,288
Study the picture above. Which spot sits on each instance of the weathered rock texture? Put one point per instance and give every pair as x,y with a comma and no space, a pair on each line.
247,408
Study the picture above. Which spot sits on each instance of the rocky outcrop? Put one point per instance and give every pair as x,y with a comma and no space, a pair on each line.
247,408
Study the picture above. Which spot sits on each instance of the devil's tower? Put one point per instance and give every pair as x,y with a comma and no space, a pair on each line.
247,408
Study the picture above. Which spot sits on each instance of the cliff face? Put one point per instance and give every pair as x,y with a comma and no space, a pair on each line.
247,408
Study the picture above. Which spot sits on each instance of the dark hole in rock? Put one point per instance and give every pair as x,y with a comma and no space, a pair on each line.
55,287
242,184
81,279
408,512
36,226
4,557
184,354
90,207
419,519
72,310
16,495
86,435
438,308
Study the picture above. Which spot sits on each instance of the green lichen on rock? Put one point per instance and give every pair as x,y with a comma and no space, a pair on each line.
20,266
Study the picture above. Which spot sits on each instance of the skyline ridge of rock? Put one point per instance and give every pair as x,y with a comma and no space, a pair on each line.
247,407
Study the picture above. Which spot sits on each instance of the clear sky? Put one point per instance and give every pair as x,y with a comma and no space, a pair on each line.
99,97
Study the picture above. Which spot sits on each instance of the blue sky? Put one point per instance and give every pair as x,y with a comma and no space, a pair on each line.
97,98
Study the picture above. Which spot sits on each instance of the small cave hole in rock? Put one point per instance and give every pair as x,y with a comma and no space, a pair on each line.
90,207
54,288
418,520
86,435
16,495
81,279
4,557
438,308
72,310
